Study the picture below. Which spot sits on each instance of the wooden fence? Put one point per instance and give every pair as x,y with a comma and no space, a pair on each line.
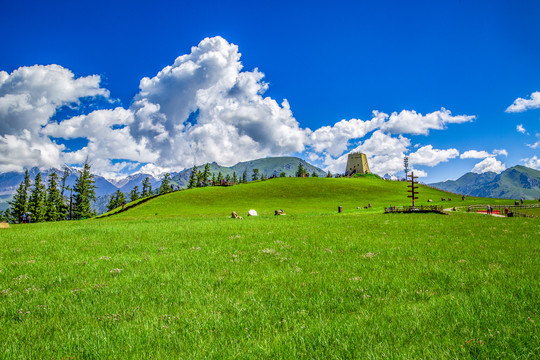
414,209
510,207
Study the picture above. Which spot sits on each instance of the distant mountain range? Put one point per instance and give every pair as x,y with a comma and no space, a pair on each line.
514,183
10,181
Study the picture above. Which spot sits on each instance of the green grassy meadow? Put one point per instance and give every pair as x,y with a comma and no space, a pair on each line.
176,277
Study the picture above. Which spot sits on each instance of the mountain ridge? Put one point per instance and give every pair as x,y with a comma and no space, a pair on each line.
513,183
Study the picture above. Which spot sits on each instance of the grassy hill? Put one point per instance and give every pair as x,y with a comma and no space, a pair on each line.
176,277
296,196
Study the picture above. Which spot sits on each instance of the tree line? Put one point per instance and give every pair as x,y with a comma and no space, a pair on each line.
119,198
202,178
36,201
51,203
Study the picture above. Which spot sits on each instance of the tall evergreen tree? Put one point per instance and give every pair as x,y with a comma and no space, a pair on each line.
63,206
206,173
329,175
85,192
36,202
244,177
146,187
213,179
314,174
117,199
228,178
255,175
192,182
134,194
234,178
19,205
219,177
301,172
53,201
165,186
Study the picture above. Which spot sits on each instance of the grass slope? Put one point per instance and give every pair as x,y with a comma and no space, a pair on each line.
296,196
314,284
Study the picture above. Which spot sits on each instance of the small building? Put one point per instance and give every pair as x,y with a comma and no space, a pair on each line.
357,164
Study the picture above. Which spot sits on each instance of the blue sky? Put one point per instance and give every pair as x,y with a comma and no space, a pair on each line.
330,61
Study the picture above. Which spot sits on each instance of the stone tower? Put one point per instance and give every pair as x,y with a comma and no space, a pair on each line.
357,164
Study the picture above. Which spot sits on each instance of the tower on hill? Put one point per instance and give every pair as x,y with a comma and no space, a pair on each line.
357,164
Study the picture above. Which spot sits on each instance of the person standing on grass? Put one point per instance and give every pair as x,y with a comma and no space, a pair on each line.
24,218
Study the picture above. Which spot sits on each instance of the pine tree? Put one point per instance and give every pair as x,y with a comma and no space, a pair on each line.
314,174
134,194
36,202
53,201
219,178
301,172
255,175
165,186
282,174
192,182
329,175
117,200
206,174
146,187
63,207
234,178
19,205
228,178
85,192
244,177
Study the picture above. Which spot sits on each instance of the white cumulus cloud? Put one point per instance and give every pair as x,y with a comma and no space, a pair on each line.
489,164
533,162
521,129
429,156
520,104
411,122
29,97
475,154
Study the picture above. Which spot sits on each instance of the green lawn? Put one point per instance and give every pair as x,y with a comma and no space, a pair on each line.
190,282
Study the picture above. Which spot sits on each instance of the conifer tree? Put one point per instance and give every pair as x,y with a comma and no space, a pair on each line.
206,174
193,178
314,174
301,172
219,177
146,187
53,201
63,207
134,194
19,205
165,186
36,202
228,178
117,199
255,175
234,178
213,179
85,192
244,177
329,175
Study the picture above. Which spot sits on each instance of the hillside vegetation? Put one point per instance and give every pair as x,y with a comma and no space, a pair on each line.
296,196
176,277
